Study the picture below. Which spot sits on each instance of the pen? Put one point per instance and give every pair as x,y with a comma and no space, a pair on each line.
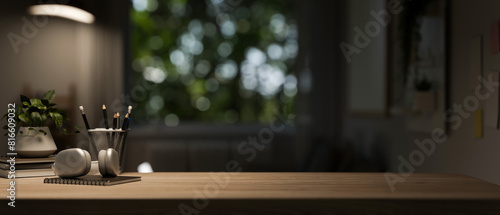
93,146
84,118
129,116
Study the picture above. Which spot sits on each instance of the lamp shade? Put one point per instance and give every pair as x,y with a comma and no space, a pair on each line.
64,11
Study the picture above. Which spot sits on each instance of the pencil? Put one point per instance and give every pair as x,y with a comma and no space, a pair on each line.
106,124
120,145
123,136
117,120
114,121
128,122
105,114
114,127
125,122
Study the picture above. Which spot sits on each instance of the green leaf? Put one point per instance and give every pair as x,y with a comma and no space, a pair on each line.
37,112
25,99
49,95
24,118
35,116
33,109
31,129
42,131
36,102
44,118
45,102
58,119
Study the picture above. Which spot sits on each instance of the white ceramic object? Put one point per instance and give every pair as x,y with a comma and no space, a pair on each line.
35,143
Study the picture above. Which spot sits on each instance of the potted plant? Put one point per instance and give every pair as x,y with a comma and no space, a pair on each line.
423,98
32,118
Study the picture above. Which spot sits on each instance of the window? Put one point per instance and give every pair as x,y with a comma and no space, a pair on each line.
218,61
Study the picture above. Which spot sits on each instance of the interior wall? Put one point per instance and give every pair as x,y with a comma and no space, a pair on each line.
58,54
51,59
460,153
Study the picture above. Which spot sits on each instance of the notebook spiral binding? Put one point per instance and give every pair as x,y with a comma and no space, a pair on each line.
75,181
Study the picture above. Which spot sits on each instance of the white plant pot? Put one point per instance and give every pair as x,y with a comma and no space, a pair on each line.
424,101
34,143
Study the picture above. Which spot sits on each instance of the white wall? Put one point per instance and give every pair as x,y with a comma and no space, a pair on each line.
61,53
366,88
461,153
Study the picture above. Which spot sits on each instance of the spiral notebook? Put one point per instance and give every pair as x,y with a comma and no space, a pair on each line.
95,180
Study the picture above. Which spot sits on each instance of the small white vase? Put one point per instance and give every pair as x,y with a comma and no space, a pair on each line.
35,143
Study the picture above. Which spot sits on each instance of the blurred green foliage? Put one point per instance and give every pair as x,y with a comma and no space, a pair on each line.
212,61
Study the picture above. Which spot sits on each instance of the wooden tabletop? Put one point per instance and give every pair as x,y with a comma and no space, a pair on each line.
266,186
298,187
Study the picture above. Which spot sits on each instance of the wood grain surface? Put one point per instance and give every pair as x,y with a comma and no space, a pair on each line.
311,193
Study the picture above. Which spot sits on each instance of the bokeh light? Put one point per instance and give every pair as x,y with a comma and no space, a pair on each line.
204,61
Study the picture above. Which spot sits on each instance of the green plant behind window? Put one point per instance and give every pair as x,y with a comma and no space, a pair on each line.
212,61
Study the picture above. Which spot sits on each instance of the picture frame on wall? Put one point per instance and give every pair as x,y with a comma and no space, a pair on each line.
419,65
